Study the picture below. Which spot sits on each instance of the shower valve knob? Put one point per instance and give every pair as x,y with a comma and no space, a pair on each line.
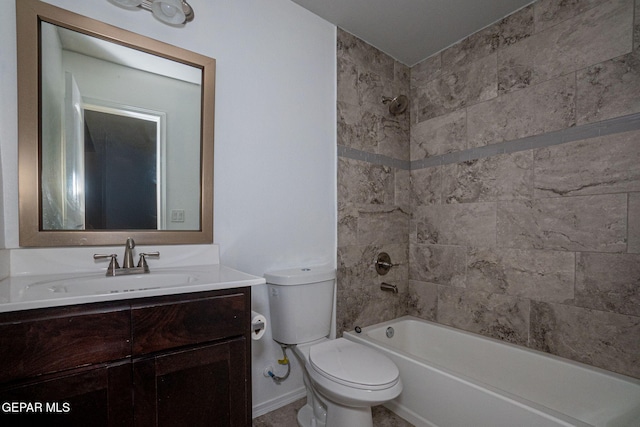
383,263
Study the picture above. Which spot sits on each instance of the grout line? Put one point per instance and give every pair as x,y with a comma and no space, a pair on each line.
628,211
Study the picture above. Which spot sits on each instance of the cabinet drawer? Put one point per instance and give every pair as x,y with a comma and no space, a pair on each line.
175,323
37,342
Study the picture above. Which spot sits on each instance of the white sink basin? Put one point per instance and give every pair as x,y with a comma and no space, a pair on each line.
99,285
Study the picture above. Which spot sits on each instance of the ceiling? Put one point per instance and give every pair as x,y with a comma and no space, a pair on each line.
412,30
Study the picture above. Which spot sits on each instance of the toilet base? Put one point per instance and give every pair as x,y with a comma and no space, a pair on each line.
337,416
306,419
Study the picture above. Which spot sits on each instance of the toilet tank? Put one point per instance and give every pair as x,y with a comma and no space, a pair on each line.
301,303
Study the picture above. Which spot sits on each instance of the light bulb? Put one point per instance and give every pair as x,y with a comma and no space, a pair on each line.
168,10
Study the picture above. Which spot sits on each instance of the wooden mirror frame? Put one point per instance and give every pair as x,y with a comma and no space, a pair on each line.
29,14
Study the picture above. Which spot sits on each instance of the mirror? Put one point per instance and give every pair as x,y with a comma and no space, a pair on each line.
115,134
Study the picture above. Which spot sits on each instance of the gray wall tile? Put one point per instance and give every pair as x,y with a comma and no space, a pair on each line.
588,223
380,224
422,300
363,55
598,288
551,12
442,265
358,129
363,182
468,224
347,82
347,224
498,316
502,177
609,164
394,136
468,84
542,108
599,34
608,89
540,275
403,189
505,32
440,135
426,70
607,340
426,186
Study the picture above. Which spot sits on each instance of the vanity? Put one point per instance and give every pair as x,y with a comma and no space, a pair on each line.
142,355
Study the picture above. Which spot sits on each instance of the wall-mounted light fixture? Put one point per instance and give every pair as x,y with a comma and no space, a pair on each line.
173,12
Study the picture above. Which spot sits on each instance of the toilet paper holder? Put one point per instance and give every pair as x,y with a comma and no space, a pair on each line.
257,327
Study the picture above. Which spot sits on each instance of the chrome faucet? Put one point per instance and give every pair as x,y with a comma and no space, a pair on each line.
128,253
127,265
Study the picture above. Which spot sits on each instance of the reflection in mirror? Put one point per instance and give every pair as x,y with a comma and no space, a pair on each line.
108,176
126,134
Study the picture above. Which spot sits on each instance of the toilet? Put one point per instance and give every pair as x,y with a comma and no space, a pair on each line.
343,379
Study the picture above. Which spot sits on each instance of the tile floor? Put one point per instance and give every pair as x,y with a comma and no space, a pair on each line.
286,417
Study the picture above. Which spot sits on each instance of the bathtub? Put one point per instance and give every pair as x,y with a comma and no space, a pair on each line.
453,378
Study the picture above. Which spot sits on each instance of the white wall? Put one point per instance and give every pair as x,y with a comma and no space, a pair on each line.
275,148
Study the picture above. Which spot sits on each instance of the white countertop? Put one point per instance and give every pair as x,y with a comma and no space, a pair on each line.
53,290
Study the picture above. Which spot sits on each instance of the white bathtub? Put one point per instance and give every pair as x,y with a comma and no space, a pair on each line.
452,378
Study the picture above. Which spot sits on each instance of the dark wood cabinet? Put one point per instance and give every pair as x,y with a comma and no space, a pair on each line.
162,361
202,380
88,396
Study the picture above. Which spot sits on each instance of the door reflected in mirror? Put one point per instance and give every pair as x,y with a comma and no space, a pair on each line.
121,173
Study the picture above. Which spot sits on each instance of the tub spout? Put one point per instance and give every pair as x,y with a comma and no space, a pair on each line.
388,287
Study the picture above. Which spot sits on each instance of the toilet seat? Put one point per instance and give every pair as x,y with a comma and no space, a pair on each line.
353,365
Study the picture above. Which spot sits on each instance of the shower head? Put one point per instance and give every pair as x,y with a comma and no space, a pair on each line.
397,105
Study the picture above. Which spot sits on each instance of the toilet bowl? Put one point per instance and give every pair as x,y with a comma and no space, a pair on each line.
348,379
343,379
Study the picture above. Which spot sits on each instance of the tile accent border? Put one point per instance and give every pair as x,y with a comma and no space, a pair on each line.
587,131
376,159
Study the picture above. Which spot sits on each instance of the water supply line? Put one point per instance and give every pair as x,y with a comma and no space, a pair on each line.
283,361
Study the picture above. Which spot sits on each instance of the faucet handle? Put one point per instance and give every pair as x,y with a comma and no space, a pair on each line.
113,265
142,262
383,263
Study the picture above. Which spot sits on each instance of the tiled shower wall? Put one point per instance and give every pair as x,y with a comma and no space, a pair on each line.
373,202
522,211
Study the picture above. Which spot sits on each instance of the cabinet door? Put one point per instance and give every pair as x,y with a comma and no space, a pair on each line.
201,386
95,396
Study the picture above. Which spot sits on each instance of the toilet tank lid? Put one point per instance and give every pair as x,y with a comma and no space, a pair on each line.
300,275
